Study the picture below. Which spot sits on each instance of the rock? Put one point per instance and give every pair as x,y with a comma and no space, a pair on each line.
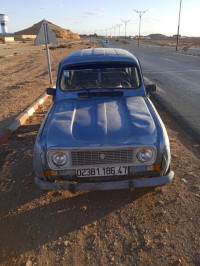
67,243
160,214
183,180
196,146
161,202
84,208
29,263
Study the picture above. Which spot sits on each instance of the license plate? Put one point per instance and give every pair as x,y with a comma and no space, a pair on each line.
102,171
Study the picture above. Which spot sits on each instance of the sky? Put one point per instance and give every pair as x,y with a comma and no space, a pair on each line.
91,16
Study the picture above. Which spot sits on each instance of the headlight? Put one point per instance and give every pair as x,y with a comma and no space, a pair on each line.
59,158
145,155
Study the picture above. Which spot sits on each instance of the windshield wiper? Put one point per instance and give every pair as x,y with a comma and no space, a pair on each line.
101,94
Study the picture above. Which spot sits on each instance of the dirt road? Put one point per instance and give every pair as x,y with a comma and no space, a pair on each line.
157,226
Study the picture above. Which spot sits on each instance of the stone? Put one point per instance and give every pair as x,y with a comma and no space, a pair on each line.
67,243
84,208
161,202
196,146
183,180
29,263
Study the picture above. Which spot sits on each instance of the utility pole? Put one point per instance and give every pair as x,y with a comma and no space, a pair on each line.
119,25
125,22
140,13
114,31
179,18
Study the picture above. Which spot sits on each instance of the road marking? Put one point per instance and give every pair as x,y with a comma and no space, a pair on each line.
168,59
171,71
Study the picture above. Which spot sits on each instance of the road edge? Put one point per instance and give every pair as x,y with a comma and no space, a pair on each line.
188,128
21,119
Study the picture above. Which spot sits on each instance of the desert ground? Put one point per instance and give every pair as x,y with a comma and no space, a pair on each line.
183,42
157,226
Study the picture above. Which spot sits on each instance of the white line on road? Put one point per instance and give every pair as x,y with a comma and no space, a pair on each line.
171,71
168,59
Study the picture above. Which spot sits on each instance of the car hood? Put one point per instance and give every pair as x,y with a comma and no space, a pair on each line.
100,121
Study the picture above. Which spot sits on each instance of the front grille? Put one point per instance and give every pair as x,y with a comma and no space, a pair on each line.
101,157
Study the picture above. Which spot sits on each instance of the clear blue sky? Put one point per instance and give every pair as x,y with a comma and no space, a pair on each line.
89,16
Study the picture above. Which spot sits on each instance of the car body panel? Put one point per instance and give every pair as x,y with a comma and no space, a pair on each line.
72,119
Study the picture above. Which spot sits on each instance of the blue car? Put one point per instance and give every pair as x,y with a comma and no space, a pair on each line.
102,131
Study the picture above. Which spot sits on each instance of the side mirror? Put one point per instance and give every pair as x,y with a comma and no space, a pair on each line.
51,91
150,88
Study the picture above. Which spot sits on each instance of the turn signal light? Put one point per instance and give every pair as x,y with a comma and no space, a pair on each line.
50,173
156,167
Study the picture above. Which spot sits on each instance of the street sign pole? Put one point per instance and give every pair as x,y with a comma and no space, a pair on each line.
47,50
46,36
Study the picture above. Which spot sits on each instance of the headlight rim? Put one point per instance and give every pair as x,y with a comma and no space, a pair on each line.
57,163
142,160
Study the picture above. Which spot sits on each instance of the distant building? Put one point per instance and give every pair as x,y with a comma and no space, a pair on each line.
175,36
156,36
6,39
24,37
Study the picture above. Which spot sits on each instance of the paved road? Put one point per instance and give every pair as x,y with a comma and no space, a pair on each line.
178,79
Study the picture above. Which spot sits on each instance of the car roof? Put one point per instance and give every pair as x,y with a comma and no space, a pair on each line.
99,55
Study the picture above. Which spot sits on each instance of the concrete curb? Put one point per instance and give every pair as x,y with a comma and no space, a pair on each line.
21,119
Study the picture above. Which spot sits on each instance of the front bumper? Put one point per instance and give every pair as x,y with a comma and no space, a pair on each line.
131,184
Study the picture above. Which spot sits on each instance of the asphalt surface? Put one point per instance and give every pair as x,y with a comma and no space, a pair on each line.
178,79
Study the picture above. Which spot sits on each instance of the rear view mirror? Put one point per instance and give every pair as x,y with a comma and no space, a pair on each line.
150,88
51,91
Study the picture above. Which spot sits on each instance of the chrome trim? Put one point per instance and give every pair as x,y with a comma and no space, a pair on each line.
69,164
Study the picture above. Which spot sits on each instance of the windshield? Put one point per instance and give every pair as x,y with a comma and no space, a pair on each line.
114,77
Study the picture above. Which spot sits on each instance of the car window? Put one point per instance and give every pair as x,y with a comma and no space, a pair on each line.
124,77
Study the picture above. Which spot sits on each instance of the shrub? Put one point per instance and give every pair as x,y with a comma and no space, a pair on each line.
52,47
185,48
124,42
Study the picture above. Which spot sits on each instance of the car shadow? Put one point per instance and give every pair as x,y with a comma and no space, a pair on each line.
30,217
43,222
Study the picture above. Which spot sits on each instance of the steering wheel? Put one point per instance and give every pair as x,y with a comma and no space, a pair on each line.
125,82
